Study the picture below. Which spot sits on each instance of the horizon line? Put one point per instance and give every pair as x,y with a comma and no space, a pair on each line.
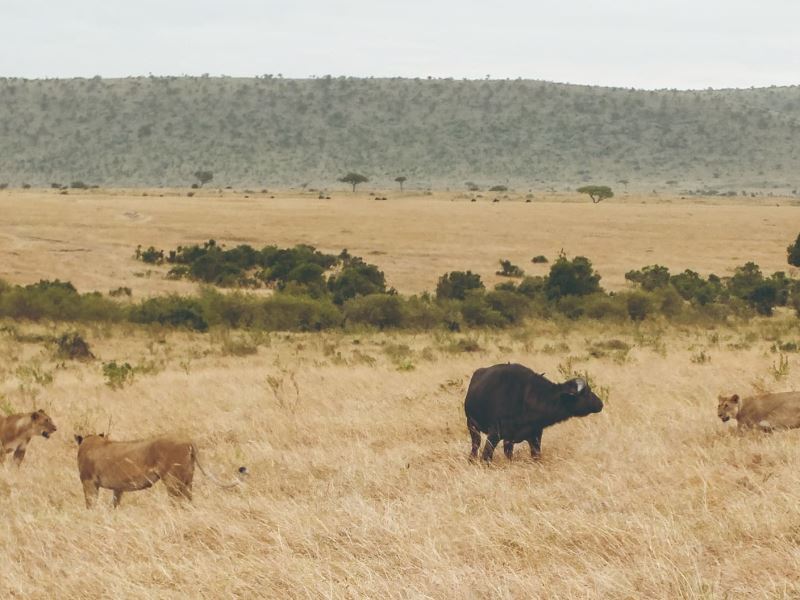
314,77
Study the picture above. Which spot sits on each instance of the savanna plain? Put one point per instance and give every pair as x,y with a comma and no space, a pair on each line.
356,442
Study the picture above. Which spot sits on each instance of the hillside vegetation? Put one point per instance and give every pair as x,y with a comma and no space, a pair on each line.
270,131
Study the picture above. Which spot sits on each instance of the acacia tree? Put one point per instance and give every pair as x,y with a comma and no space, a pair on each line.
596,192
353,179
401,180
203,176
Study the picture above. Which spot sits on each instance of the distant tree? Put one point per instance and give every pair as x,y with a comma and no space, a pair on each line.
203,176
793,252
624,182
401,180
456,284
650,278
353,179
472,186
508,269
596,192
498,188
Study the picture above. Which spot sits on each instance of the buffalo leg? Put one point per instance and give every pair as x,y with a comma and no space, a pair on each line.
508,448
492,440
536,443
475,434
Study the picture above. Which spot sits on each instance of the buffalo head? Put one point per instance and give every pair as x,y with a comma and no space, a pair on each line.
581,400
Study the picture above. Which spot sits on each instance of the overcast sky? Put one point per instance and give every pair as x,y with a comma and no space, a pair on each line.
630,43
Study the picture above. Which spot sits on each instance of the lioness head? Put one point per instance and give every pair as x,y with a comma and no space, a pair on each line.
79,438
42,424
728,407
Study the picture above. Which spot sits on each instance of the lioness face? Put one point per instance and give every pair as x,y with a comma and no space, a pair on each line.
42,424
728,407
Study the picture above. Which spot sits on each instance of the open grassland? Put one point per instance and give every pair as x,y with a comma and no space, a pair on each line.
356,442
360,483
89,238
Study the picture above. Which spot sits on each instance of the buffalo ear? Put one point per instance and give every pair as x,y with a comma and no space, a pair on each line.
575,386
79,439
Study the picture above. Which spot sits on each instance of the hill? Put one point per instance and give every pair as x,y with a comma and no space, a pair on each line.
269,131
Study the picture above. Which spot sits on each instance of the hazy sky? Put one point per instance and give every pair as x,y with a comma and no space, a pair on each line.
631,43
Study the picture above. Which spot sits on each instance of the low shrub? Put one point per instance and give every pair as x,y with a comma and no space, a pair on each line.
117,375
282,312
72,346
508,269
378,310
172,310
56,300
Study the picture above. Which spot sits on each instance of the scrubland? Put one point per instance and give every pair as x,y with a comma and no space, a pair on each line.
356,440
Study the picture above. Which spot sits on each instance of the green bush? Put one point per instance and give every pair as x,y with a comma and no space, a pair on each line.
282,312
574,277
692,287
532,287
236,310
151,255
421,312
512,306
601,306
572,307
638,304
456,284
356,279
56,300
172,310
117,375
476,311
758,292
379,310
539,259
650,278
669,301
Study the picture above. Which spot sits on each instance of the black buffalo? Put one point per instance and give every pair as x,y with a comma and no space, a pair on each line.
512,403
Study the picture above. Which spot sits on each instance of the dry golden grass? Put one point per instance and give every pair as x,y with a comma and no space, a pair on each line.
89,237
357,445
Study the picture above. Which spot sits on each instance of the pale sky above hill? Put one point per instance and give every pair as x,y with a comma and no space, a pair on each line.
630,43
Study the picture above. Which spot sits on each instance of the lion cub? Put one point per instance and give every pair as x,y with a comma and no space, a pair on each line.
17,430
136,465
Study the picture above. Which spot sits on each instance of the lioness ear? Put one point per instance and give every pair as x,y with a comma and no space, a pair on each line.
79,439
735,398
35,416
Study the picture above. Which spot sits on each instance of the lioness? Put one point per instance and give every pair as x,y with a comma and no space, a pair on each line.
136,465
17,430
767,411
